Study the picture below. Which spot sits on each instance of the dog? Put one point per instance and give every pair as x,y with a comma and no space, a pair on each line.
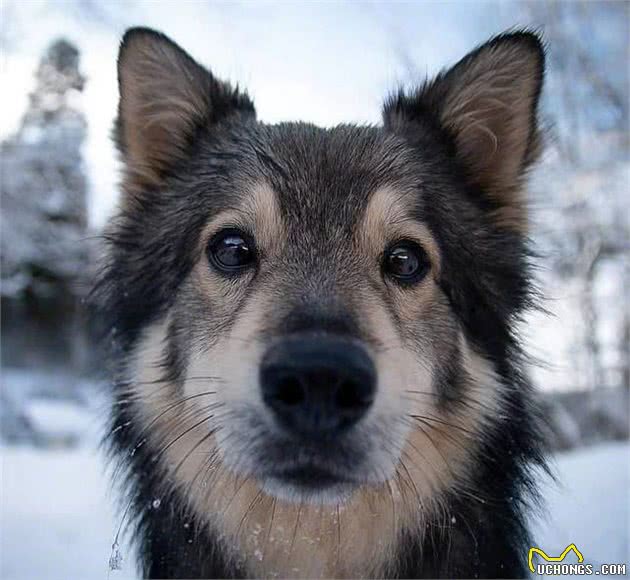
314,332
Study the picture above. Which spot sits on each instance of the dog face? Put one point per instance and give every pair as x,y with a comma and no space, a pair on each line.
316,307
317,313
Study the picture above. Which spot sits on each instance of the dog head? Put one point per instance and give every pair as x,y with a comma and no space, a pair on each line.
320,311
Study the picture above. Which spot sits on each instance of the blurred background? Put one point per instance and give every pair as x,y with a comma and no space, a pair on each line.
324,62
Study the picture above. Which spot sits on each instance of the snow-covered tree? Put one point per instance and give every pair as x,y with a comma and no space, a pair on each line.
43,186
43,219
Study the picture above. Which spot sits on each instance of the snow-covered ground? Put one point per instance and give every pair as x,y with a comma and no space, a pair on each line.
58,519
589,505
58,515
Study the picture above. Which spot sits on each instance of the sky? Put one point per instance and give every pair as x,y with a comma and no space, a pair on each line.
323,62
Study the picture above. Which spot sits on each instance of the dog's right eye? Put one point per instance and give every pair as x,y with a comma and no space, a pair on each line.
230,251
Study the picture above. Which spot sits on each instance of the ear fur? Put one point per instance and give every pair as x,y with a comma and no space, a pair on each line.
165,98
488,104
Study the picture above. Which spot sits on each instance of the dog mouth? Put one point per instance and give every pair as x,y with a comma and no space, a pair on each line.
310,483
306,474
311,477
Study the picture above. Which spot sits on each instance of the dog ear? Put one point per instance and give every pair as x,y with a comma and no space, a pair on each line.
488,104
165,98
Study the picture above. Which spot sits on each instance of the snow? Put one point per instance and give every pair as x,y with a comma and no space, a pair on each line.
57,516
58,519
60,420
589,507
51,407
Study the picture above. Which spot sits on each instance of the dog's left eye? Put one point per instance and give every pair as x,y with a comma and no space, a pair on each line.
229,251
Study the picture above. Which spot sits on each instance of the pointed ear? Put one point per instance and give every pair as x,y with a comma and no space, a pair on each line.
165,98
488,104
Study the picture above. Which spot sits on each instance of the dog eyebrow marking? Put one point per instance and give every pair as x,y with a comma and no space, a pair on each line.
388,217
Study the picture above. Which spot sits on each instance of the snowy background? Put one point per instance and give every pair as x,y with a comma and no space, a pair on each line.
325,63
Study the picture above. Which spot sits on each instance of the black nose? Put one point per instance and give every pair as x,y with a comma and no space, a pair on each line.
317,386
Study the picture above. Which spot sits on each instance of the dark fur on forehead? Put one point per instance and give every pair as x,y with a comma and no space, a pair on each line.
324,176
